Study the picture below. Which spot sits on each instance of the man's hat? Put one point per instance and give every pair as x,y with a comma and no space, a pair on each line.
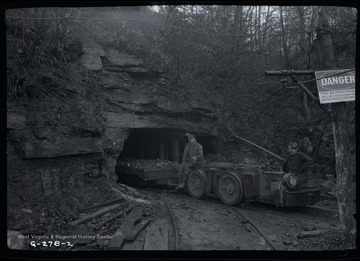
293,145
190,136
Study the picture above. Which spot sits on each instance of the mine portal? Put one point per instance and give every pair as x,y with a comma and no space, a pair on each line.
163,143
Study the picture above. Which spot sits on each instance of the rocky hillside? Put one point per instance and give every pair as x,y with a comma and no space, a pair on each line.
49,150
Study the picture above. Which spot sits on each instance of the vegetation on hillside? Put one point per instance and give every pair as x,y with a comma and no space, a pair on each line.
216,53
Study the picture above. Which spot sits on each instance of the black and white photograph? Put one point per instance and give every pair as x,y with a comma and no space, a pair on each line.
181,128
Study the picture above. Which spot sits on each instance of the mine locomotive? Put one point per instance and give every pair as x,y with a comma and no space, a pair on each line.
231,183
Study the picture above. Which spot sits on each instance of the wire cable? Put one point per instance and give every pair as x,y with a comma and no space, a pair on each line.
317,79
266,99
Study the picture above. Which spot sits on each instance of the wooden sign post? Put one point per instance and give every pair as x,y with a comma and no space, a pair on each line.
344,172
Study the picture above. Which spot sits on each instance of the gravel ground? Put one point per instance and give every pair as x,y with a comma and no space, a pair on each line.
204,225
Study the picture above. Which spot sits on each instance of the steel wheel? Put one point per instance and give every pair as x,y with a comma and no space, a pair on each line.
196,183
230,189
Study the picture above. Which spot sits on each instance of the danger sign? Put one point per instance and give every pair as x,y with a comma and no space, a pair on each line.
336,85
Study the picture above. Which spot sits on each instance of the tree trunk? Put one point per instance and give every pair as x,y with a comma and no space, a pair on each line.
258,33
264,37
283,37
307,112
345,179
256,29
302,49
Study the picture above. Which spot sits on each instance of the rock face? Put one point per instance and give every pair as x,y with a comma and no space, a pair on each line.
132,97
15,240
15,121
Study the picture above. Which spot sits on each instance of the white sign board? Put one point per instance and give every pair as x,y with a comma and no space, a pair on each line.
336,85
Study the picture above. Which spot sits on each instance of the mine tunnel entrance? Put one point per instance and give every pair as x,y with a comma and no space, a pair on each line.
163,143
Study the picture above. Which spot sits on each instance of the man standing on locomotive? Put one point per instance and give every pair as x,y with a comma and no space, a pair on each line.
298,163
193,154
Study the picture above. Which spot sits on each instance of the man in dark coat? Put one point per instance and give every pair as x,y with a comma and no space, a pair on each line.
298,163
193,154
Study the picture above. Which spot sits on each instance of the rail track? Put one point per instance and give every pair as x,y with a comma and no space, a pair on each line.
207,224
247,215
199,224
174,224
177,229
256,227
249,220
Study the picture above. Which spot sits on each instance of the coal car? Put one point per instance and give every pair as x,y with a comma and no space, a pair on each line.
229,182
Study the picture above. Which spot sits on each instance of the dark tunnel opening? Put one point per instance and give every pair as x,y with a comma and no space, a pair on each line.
163,143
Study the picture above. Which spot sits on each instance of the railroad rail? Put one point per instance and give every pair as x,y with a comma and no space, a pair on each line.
321,224
174,224
236,210
256,227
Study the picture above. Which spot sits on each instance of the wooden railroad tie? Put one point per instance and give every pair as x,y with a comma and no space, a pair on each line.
129,229
157,235
109,203
92,215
